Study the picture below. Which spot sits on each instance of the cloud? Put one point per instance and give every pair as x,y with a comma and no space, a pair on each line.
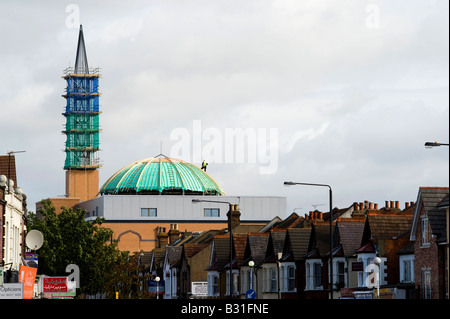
352,102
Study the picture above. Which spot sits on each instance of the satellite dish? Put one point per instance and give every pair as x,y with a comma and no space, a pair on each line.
34,239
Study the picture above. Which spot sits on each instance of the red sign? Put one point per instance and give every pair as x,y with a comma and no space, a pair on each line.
357,266
54,284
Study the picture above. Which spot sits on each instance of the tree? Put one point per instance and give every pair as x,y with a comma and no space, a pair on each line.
70,239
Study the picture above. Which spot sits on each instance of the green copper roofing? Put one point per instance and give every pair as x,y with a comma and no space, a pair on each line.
161,174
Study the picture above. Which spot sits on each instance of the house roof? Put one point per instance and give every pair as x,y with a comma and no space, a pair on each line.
190,250
350,234
289,222
320,240
157,261
388,225
368,247
408,249
431,199
437,218
255,248
297,243
275,245
221,251
173,255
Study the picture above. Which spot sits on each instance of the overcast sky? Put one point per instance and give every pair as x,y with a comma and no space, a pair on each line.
343,93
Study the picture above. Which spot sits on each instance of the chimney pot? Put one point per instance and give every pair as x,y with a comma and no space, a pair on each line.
376,206
370,205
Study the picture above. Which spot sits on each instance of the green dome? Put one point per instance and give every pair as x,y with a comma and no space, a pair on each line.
161,175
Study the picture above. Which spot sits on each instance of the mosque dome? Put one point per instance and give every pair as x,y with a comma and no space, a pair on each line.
161,175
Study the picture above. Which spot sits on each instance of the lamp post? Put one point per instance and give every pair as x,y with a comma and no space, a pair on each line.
251,264
331,226
157,279
434,144
231,237
377,261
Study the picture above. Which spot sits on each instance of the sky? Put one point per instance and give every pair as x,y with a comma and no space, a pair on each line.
343,93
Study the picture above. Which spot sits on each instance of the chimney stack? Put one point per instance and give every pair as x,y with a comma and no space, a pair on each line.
174,233
235,215
163,237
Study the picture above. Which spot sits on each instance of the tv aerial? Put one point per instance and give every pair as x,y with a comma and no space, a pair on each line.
34,239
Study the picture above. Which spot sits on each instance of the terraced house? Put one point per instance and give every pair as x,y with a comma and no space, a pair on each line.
289,259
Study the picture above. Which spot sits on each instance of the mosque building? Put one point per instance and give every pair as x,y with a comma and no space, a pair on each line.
152,201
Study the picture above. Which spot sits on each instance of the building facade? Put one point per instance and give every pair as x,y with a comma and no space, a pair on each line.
82,126
12,220
143,199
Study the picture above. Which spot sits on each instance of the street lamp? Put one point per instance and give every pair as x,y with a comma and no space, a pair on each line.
231,237
251,264
434,144
331,226
157,279
377,261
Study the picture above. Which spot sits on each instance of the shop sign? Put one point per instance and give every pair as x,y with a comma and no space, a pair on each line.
11,291
199,288
54,284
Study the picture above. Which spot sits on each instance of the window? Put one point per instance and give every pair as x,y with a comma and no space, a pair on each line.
425,231
313,274
212,212
291,278
317,275
270,279
340,273
426,284
248,280
407,270
148,212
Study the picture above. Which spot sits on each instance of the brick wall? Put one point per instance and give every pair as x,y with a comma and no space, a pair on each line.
428,258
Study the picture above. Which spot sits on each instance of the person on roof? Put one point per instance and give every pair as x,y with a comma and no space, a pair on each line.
204,164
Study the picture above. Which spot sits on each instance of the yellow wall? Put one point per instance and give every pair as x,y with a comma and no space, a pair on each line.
143,236
82,184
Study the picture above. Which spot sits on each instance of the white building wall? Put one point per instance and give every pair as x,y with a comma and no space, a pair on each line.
179,207
13,229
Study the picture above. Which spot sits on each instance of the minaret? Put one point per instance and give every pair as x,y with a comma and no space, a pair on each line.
82,127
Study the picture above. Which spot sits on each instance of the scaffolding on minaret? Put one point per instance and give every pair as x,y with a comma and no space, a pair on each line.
82,121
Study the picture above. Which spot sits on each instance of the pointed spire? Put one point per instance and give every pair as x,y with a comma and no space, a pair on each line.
81,63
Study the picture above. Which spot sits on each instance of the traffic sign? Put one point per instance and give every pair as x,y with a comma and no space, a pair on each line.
250,294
